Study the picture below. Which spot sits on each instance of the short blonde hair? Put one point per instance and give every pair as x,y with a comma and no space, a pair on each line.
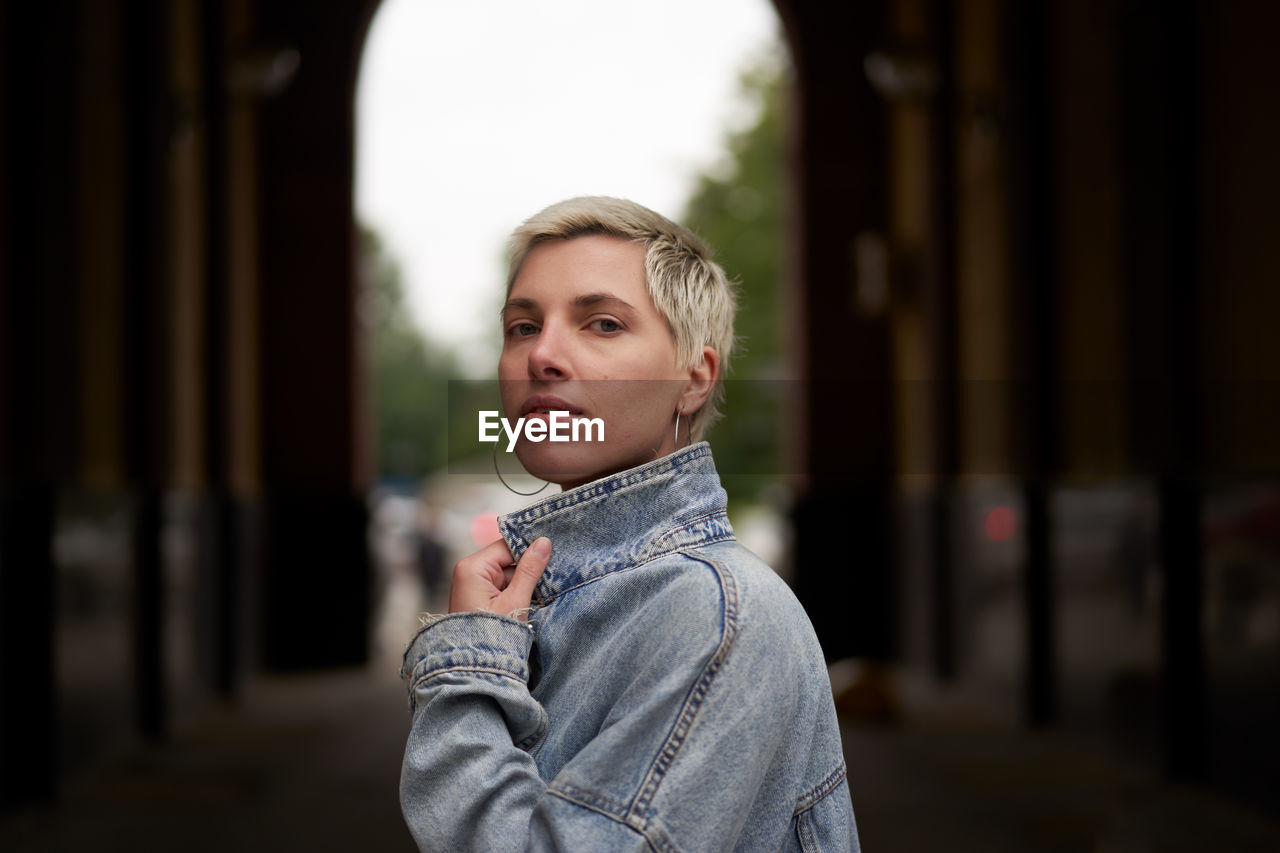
689,289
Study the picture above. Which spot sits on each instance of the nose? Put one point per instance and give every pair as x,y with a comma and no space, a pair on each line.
548,359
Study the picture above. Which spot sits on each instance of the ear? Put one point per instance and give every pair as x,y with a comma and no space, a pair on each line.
702,378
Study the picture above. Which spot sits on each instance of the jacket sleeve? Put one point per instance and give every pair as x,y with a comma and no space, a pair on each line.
468,781
679,764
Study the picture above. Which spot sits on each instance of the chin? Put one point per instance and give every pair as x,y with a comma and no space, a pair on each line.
572,465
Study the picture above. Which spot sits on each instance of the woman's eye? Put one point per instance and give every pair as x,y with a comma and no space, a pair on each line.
604,324
523,330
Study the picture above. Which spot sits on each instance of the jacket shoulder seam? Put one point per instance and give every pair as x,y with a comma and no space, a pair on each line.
821,790
697,692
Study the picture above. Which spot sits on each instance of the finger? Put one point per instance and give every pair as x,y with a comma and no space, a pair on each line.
488,561
530,568
496,553
479,577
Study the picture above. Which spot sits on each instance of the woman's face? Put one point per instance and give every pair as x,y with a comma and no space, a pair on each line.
582,334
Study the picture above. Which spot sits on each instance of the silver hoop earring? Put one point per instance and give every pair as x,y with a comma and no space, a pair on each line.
508,485
676,441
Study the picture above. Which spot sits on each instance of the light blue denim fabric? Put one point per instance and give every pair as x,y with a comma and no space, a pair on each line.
666,694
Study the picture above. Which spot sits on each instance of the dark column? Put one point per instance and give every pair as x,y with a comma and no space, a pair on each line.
37,377
146,362
941,283
315,588
843,519
28,746
1158,131
1034,346
217,566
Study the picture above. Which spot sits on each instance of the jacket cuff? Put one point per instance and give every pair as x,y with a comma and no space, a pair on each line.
478,641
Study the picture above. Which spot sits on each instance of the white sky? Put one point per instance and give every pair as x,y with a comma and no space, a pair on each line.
472,116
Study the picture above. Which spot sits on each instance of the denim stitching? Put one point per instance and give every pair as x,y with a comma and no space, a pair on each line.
608,486
542,602
685,549
709,516
589,799
527,744
804,831
419,679
693,702
601,806
486,670
826,786
446,617
512,526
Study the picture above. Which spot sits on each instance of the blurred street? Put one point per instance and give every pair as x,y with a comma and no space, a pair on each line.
1004,412
312,762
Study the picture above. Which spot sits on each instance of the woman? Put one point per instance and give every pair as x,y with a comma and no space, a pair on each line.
638,680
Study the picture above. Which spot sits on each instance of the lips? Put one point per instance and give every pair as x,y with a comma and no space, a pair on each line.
548,403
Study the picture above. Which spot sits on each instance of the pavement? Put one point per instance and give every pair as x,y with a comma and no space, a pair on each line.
311,762
298,763
961,788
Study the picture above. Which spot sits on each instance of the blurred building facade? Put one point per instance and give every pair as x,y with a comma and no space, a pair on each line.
180,363
1036,440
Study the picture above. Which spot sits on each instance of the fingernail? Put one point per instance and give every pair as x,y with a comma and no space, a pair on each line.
541,547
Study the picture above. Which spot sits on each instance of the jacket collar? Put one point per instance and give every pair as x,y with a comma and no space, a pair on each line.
622,520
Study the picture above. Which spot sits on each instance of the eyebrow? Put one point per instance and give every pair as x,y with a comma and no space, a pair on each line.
588,299
518,302
583,301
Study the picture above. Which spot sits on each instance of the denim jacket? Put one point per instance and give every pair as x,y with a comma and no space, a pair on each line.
667,692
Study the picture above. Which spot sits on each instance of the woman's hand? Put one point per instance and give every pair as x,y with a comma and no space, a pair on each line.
488,581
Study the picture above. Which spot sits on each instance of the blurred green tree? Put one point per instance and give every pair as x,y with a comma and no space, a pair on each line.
738,206
410,375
